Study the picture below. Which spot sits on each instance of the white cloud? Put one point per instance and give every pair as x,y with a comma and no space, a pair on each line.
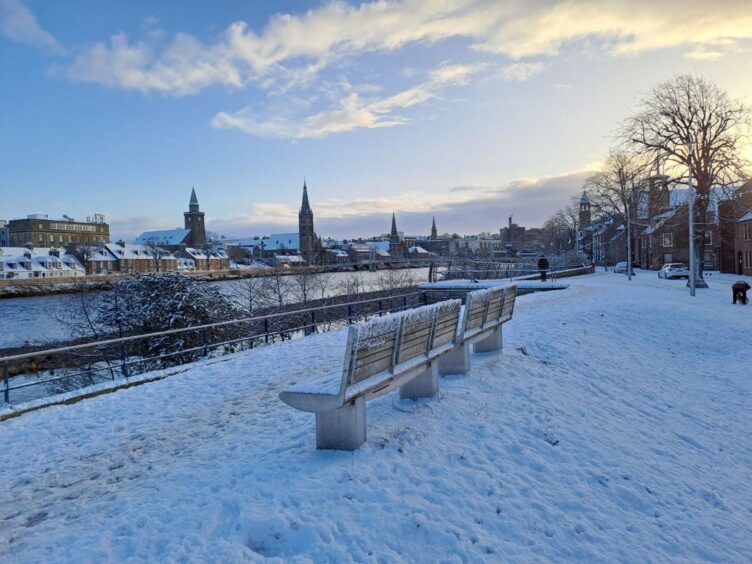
350,112
294,49
18,24
521,72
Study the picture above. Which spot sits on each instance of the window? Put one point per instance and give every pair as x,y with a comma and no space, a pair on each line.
708,237
668,240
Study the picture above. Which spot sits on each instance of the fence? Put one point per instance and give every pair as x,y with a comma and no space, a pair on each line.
42,373
494,271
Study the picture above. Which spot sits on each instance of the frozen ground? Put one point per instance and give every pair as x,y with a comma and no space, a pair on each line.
614,426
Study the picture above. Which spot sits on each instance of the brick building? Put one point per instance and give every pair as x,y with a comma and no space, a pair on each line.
42,231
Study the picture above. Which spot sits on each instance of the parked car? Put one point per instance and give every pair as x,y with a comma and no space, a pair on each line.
621,268
674,270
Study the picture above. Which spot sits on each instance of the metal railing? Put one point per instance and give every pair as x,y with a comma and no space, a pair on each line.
90,363
502,273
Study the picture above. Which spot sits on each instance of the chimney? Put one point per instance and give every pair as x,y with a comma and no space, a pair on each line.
121,243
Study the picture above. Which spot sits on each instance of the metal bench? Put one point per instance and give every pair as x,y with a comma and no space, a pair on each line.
484,314
396,351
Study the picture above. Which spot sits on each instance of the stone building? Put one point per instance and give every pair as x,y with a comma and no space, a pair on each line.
309,246
42,231
194,221
743,244
396,245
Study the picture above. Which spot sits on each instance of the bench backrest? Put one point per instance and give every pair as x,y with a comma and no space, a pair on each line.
508,308
396,342
482,311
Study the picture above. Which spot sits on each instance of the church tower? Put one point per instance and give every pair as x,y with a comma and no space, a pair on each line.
395,245
305,229
434,233
584,211
194,220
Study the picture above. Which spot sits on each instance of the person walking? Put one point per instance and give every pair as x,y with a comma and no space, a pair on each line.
543,267
739,291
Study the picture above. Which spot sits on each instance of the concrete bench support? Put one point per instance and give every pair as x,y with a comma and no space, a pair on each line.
344,428
425,385
491,343
456,361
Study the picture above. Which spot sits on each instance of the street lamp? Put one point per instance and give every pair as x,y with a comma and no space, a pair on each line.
691,212
629,236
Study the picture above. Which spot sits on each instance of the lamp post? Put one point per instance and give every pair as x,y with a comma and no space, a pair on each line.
629,237
691,212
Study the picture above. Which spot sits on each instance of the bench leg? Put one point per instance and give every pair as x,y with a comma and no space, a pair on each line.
491,343
343,428
456,361
425,385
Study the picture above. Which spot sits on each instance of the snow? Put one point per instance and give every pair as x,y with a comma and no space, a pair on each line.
614,426
163,237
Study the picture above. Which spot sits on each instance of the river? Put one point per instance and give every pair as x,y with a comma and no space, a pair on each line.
42,319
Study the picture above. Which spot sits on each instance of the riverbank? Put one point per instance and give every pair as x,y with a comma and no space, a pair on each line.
37,287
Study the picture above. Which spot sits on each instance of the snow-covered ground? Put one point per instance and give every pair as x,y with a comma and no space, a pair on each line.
614,426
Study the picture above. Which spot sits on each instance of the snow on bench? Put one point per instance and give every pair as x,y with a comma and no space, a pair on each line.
386,353
484,313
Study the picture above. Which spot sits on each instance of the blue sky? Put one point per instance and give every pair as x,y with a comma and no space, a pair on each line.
469,111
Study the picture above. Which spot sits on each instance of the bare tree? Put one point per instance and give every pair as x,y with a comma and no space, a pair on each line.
559,231
612,188
394,280
690,109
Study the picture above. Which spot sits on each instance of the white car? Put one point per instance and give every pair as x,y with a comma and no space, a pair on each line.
674,270
621,268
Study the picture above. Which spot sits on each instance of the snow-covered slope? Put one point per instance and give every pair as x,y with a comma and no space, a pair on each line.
615,425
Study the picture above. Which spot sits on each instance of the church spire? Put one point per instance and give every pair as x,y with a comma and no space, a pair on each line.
305,207
193,205
434,233
394,234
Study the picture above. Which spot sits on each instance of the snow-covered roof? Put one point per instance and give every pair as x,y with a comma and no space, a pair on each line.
274,242
289,258
38,259
133,251
747,216
659,220
337,252
420,250
163,237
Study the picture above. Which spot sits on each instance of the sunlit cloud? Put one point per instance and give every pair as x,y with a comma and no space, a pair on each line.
350,112
294,49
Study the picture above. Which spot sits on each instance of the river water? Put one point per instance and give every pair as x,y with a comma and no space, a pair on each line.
42,319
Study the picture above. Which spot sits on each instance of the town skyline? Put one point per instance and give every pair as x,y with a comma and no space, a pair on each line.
125,111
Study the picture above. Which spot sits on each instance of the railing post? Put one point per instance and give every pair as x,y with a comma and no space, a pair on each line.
123,359
205,337
313,321
266,329
381,309
349,313
404,301
6,383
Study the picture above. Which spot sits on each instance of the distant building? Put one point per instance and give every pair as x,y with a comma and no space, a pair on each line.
309,245
4,234
396,245
40,230
24,263
194,222
584,232
193,235
743,247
